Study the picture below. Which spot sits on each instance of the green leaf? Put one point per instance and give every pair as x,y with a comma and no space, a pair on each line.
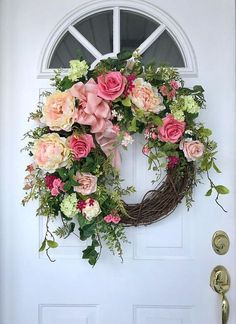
209,192
43,246
71,229
62,173
124,55
133,126
67,186
157,120
216,168
222,190
87,231
91,254
126,102
52,244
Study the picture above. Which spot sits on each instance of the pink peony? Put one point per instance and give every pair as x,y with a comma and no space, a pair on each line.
144,96
93,110
80,145
193,150
87,183
51,152
171,130
59,111
111,85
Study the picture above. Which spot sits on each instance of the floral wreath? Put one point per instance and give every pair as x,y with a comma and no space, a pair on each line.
76,149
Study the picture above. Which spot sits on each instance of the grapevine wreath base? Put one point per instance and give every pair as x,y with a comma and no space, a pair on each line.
161,202
81,128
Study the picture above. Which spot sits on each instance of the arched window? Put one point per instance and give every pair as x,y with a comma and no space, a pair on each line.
104,30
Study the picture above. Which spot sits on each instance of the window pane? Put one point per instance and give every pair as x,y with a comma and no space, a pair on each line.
134,29
164,51
68,49
98,29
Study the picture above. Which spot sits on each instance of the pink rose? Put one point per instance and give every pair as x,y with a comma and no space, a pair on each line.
171,130
87,183
193,150
111,85
93,110
80,145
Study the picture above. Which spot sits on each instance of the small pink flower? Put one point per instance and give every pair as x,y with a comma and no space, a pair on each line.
175,85
57,187
108,218
30,168
146,150
130,84
111,85
116,128
171,130
112,219
116,219
80,145
91,201
81,205
172,162
164,90
49,181
154,136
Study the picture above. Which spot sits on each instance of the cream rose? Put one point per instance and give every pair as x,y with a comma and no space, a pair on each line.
59,111
51,152
193,150
146,97
87,183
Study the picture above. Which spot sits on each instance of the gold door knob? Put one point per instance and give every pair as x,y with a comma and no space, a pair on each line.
220,283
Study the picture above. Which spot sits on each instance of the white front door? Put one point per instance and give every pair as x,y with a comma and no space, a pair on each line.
166,271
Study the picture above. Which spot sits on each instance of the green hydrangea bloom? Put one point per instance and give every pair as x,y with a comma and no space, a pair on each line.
68,205
178,114
77,69
184,103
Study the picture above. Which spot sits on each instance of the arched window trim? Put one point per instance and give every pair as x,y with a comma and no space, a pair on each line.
144,7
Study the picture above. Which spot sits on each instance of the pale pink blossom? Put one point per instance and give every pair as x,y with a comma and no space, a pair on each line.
193,150
87,183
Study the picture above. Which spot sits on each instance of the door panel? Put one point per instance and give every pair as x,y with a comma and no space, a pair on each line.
165,275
